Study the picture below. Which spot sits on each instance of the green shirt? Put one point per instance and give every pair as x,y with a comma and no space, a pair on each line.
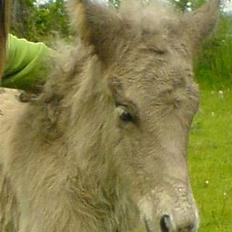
25,64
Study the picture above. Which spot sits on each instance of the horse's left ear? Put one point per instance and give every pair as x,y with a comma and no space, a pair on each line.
201,22
96,24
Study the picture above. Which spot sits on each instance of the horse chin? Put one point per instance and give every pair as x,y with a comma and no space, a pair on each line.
148,225
145,206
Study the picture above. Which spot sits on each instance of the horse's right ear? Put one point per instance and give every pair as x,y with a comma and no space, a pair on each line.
96,24
201,22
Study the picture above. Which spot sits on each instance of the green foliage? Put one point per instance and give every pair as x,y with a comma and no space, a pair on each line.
41,22
50,18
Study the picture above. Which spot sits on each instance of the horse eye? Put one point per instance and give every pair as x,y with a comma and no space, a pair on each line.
126,116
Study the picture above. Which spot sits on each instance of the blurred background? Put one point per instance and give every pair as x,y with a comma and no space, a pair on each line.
43,20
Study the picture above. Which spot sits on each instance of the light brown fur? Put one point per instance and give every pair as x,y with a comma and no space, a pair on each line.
69,161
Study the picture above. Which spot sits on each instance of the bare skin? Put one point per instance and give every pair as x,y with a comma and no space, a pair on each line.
104,148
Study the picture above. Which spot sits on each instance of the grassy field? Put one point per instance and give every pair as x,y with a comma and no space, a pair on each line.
210,158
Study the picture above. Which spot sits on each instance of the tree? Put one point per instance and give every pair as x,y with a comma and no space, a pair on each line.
51,17
22,12
38,22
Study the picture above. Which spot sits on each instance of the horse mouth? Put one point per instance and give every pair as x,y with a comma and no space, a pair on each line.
147,224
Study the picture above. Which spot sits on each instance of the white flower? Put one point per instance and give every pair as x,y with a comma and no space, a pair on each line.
221,93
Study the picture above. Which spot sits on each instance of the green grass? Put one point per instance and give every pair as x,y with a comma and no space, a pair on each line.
210,146
210,158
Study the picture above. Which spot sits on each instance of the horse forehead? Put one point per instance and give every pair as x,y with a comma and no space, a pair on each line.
155,87
153,68
155,54
147,72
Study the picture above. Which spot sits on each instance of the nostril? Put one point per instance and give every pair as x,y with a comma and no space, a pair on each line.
165,223
191,227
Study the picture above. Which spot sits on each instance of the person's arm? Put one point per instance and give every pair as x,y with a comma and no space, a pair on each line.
25,66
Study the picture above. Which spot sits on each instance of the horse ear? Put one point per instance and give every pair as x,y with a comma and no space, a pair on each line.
96,24
201,22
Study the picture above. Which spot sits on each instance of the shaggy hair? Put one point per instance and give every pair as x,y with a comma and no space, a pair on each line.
81,156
